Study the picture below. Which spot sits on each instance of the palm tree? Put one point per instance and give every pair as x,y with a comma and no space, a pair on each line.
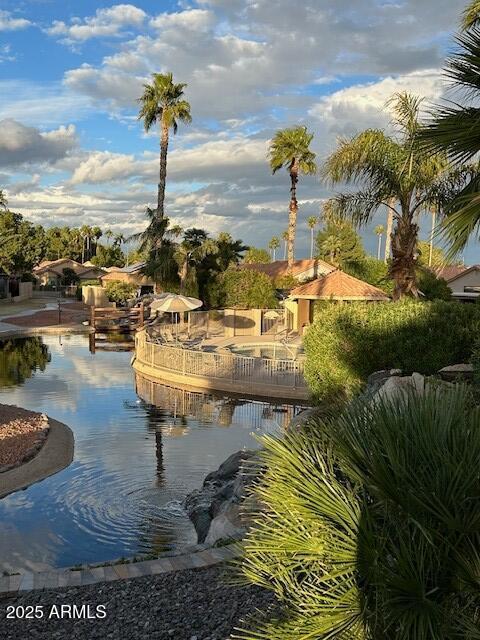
189,256
109,234
3,200
157,245
471,15
388,235
396,172
290,148
312,223
453,129
379,231
285,236
365,525
162,102
273,246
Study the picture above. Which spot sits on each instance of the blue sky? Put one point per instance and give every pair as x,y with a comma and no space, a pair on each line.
72,151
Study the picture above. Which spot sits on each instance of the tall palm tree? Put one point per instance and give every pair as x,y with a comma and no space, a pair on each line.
388,235
453,129
285,236
290,148
392,168
162,102
379,231
3,200
273,246
312,223
157,244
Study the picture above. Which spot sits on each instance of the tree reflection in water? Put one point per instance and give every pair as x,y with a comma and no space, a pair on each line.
20,358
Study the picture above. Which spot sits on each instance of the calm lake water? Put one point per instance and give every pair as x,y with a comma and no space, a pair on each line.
140,447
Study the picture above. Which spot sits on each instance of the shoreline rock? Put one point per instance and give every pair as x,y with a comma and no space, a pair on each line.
215,509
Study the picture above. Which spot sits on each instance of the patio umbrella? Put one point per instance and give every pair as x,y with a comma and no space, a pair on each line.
175,303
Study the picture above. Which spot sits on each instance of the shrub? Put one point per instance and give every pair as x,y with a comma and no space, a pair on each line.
347,342
432,287
367,527
120,292
242,289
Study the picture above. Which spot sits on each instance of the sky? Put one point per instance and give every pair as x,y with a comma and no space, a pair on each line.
72,150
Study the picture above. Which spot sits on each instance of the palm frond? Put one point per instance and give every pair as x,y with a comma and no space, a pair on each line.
471,15
289,145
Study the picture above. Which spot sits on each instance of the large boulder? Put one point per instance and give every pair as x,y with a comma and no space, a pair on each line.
226,525
457,372
395,386
229,469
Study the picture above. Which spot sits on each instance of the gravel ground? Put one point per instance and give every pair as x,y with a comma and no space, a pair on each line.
22,433
184,605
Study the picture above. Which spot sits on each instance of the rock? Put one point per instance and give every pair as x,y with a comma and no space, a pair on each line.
201,521
457,372
227,524
378,378
396,385
228,469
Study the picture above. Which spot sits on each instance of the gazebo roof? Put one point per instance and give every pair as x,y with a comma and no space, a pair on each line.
338,285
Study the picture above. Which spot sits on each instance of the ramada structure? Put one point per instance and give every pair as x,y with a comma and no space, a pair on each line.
317,280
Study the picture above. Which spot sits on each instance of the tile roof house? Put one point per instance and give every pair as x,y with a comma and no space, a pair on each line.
301,270
132,275
50,272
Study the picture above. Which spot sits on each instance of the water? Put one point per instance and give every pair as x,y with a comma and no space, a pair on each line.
140,447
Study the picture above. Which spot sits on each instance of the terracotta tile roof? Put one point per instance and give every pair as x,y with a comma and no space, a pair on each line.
463,271
338,285
450,272
280,268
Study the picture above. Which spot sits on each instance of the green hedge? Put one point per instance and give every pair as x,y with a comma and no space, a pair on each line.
347,342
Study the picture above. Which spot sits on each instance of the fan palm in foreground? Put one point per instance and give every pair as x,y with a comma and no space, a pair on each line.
395,172
162,101
290,148
368,525
454,129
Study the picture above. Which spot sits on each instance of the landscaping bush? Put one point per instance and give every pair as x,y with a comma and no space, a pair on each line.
347,342
367,527
120,292
242,289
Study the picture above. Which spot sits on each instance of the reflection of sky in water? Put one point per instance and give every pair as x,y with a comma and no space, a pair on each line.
134,462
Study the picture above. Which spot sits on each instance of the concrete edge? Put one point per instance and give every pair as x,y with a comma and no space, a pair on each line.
17,584
253,390
55,454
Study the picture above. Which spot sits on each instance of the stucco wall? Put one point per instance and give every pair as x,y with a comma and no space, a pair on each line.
471,279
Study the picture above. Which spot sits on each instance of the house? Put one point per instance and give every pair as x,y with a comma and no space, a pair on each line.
334,286
464,282
301,270
50,272
132,275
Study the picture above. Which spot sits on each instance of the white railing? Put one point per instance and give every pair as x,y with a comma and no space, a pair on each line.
234,368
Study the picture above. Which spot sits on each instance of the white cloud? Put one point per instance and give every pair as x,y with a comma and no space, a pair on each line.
10,23
193,20
22,145
105,23
103,166
361,106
